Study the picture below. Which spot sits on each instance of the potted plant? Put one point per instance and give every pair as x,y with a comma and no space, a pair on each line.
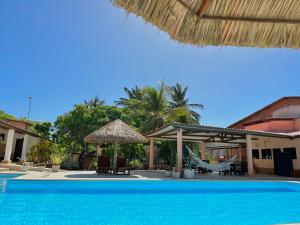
175,173
56,160
189,170
168,173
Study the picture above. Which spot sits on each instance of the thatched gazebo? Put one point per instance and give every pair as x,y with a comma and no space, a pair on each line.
116,132
251,23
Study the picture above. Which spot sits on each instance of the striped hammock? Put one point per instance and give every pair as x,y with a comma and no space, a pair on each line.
213,167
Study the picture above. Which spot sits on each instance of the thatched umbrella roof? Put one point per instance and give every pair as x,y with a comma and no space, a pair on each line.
252,23
116,132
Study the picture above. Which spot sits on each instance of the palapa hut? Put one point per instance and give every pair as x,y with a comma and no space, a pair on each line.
116,132
251,23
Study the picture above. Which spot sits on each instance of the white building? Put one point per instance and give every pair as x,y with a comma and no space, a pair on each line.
15,140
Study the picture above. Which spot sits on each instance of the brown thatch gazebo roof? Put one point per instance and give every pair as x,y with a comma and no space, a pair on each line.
252,23
116,132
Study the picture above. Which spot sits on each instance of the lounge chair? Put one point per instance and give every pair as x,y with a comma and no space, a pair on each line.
122,167
103,165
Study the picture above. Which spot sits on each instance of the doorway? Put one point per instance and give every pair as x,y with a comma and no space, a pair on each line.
276,153
18,150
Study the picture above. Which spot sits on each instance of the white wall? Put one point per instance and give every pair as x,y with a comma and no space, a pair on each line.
32,141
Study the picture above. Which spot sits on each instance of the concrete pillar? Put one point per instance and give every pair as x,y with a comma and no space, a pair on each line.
9,145
25,146
151,154
203,150
179,151
249,155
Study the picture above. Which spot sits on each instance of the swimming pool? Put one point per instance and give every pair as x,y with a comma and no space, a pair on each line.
148,202
9,175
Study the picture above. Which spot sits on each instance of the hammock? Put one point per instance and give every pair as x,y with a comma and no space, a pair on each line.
214,167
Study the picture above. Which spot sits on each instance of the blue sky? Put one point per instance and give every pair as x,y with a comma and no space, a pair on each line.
62,52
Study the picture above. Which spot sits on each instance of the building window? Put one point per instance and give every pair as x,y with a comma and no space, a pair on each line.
266,154
255,154
291,151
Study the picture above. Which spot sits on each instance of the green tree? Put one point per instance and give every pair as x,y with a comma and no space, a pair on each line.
134,100
41,152
43,129
155,107
181,109
96,101
73,126
4,116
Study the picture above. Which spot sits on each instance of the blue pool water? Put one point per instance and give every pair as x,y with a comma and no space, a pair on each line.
9,175
148,202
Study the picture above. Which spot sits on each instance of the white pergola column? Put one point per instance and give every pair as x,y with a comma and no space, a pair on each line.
249,155
9,145
203,150
151,154
25,146
179,151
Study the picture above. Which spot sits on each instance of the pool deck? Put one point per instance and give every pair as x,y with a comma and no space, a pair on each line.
138,175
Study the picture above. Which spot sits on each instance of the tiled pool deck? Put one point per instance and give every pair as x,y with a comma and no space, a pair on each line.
136,175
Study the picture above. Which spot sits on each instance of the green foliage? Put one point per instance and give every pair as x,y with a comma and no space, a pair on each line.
189,164
58,154
129,152
69,163
56,159
43,129
151,108
4,116
41,152
46,152
167,152
74,126
133,151
136,164
96,101
180,107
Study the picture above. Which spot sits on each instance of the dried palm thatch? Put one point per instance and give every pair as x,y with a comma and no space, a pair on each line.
116,132
251,23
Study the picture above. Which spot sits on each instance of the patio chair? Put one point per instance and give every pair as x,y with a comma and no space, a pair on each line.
122,167
241,168
103,165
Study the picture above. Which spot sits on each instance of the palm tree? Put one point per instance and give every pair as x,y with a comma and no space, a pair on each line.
134,97
155,107
179,102
96,101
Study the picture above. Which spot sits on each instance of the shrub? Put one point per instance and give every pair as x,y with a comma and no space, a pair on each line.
69,163
136,164
41,152
45,152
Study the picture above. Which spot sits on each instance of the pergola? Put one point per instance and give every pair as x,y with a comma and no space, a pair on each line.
208,134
